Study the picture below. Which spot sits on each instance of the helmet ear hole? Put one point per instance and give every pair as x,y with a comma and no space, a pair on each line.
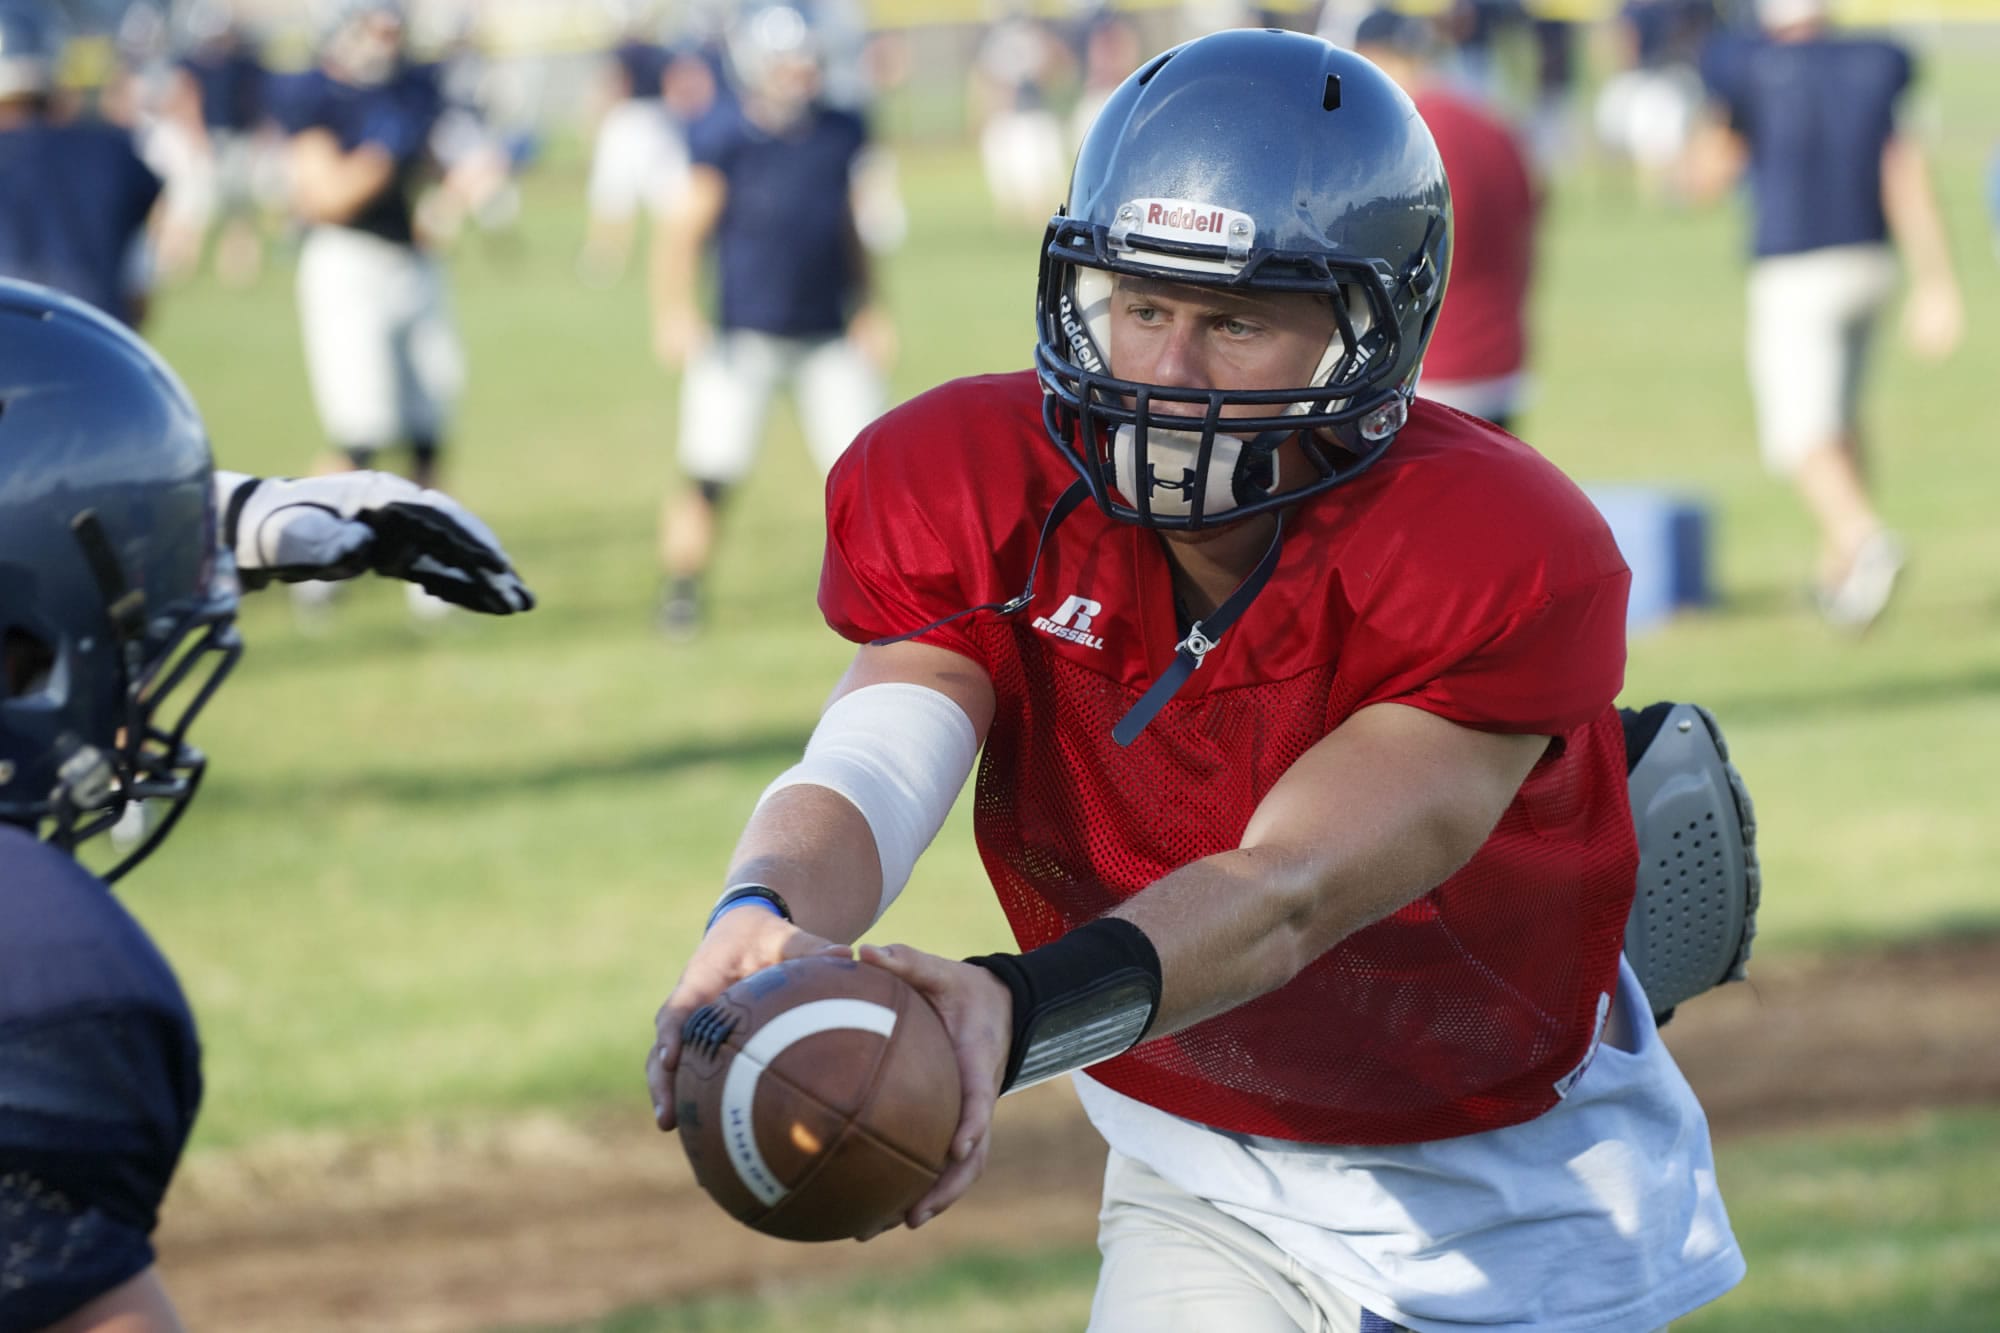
26,663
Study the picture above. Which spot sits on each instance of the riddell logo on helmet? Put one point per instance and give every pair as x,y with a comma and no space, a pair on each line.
1183,217
1079,337
1186,220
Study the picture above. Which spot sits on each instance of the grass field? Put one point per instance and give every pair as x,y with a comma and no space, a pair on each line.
449,874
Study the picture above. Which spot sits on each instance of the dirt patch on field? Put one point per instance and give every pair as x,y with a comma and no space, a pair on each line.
545,1221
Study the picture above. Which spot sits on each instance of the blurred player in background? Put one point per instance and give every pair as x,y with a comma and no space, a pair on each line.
1648,108
1549,129
1111,50
138,83
382,355
75,198
1838,191
1478,354
639,154
120,554
857,66
1302,786
1339,20
771,192
1475,32
1016,75
216,149
479,160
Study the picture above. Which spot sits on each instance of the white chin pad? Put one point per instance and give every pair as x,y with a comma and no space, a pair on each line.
1173,454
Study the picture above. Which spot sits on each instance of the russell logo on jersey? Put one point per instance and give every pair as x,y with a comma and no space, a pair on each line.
1072,621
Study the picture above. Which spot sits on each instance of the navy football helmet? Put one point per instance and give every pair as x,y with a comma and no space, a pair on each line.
117,608
775,57
1247,160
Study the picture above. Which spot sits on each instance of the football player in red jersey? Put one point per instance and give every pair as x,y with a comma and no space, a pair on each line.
1303,786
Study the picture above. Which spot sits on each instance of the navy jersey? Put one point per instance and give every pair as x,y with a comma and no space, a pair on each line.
73,205
784,242
397,116
1667,32
644,65
100,1078
231,80
1816,115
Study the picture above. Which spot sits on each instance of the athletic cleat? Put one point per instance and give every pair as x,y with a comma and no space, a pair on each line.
1858,600
679,616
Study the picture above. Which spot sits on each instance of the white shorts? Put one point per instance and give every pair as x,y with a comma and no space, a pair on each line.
1174,1263
726,394
381,354
1811,317
1648,114
1022,152
639,161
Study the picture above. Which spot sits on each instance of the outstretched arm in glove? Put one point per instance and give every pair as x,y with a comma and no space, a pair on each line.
336,527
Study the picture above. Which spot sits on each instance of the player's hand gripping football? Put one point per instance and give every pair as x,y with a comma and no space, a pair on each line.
978,1012
338,526
743,941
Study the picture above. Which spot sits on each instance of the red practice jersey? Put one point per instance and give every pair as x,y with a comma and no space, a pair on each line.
1482,331
1463,574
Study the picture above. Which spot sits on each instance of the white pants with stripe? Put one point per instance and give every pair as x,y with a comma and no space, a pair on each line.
727,390
382,356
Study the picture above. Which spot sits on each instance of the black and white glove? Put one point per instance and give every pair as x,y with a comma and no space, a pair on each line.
335,527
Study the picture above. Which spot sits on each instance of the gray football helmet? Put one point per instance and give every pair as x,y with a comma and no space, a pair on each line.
1249,159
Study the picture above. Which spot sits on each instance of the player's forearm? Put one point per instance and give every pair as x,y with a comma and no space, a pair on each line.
675,261
1712,162
1238,925
335,187
815,850
1910,203
670,276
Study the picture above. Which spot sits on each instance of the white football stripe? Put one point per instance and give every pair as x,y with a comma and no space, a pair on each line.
739,1088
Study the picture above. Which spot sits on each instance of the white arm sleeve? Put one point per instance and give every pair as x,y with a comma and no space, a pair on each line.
899,753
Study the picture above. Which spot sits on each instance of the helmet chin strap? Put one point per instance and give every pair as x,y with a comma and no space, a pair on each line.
1201,638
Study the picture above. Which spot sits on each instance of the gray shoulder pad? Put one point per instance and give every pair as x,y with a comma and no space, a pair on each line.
1694,911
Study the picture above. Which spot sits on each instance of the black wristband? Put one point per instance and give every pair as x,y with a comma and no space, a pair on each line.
1077,1000
739,894
232,513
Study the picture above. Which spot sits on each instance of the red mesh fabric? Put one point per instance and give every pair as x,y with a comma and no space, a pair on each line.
1459,1013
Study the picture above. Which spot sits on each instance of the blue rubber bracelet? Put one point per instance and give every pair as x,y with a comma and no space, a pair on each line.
743,895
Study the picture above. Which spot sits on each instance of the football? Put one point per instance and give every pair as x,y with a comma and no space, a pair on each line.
816,1099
